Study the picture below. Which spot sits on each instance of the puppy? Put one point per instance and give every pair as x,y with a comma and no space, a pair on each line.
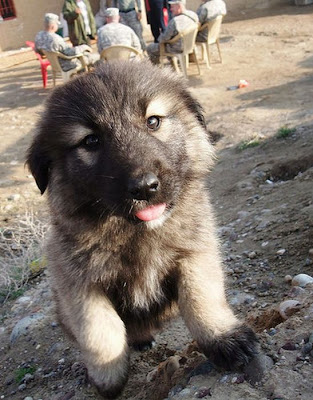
124,155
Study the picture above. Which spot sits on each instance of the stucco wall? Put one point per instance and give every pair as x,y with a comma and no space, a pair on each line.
28,22
14,33
235,5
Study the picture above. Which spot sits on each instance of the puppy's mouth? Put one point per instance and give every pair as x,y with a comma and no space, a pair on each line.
151,213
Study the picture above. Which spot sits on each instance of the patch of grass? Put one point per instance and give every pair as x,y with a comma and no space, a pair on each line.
284,132
246,144
21,372
20,255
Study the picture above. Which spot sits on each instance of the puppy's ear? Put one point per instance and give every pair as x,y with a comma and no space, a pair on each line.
39,165
196,109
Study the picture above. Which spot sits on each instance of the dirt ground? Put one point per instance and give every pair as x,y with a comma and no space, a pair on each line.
262,190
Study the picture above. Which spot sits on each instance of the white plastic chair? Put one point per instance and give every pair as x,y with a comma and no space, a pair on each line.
188,38
120,52
53,57
214,29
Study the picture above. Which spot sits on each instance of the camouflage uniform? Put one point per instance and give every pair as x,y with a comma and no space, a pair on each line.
128,13
116,33
53,42
207,11
176,25
100,16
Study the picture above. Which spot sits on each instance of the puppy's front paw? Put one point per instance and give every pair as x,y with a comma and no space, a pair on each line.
106,391
233,349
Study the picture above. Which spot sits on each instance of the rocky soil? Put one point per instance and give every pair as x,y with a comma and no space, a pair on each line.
261,187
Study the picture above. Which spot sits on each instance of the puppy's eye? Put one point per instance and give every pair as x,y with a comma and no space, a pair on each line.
154,122
91,141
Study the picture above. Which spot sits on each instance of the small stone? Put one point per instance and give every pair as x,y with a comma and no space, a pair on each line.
252,255
22,326
22,387
295,291
176,389
14,197
272,331
28,398
311,252
202,392
306,348
289,346
28,377
288,278
288,307
302,280
281,252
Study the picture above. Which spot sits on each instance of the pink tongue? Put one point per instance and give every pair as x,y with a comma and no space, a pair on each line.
152,212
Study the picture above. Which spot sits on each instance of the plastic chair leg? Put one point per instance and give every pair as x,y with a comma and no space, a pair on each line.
44,74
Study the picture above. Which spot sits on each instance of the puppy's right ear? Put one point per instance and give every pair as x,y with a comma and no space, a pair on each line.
39,165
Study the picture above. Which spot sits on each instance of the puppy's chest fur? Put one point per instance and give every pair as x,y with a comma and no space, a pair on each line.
137,270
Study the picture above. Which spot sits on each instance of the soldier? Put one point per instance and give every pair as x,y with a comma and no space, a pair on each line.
182,19
50,41
80,21
115,33
100,16
130,13
208,10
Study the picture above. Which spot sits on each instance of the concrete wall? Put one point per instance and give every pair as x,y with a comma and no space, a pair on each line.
29,18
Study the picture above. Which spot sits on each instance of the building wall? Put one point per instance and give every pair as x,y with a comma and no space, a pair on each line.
29,17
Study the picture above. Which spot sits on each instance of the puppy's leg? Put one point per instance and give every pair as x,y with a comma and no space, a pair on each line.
202,303
101,336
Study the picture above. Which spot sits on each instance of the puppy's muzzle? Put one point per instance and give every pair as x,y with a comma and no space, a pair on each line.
144,187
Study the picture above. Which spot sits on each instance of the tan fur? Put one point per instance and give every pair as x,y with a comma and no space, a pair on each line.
115,278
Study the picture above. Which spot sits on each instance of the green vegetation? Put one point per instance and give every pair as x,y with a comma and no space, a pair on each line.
284,132
246,144
21,372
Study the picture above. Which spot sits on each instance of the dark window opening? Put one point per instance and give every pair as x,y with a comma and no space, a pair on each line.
7,10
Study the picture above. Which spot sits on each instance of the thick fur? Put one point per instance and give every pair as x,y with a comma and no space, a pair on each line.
117,278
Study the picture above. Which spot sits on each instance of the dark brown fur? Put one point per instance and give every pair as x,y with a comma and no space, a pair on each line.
117,278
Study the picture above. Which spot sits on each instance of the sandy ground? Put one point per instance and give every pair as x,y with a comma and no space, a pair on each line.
263,201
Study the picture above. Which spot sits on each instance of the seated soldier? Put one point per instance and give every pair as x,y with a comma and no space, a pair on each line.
49,40
208,10
182,20
113,32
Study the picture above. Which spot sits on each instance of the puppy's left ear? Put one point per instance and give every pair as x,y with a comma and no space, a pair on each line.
196,109
39,164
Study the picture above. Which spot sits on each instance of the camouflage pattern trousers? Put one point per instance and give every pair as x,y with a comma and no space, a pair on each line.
130,19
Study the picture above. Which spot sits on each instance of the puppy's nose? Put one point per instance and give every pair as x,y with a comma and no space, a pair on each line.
143,188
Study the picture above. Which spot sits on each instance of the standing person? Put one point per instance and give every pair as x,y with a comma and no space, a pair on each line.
156,18
182,19
130,13
80,20
208,10
49,40
115,33
100,16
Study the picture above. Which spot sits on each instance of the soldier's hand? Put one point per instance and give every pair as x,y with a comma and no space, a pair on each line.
139,15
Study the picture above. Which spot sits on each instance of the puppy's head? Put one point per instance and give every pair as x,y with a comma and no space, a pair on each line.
124,140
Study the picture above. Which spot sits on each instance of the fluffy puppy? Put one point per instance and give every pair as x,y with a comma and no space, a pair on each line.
124,155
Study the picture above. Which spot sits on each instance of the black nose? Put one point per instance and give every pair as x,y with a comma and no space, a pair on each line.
143,188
